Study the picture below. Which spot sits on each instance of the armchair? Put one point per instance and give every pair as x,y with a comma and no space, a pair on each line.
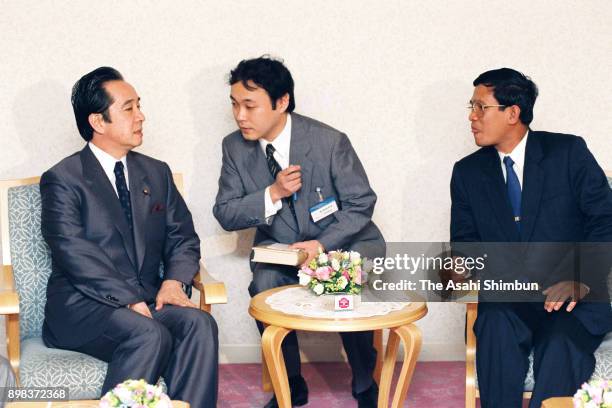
26,266
603,355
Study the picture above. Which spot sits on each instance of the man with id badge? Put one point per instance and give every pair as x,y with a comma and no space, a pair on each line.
298,182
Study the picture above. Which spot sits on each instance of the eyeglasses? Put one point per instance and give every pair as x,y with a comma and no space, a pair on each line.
479,108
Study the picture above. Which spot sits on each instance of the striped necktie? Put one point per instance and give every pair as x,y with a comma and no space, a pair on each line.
275,168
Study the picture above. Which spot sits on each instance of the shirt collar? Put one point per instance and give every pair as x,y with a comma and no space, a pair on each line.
106,160
282,142
518,153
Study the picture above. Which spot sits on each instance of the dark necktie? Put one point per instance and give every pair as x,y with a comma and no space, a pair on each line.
514,190
273,165
274,168
123,192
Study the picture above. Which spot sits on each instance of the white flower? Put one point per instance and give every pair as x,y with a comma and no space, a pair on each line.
304,279
346,256
335,264
342,282
355,257
323,258
318,289
591,404
124,395
607,397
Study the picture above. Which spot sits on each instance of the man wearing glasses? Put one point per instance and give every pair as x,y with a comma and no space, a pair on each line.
530,186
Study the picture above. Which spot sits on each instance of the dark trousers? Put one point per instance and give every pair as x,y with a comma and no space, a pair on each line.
506,333
180,344
358,345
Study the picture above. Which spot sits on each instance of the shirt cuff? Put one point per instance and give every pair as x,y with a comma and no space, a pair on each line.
271,208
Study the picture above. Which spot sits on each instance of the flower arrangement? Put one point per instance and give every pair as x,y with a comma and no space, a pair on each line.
595,394
136,394
333,272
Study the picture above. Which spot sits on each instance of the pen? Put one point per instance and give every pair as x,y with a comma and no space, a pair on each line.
318,189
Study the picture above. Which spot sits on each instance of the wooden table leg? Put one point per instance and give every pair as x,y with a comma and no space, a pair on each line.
410,336
380,353
266,382
411,339
271,341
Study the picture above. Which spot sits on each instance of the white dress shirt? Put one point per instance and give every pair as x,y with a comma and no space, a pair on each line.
281,145
518,157
108,165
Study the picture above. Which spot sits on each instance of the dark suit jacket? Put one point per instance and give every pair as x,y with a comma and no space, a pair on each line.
565,198
98,265
329,162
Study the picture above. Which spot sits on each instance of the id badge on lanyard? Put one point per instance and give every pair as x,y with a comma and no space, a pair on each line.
324,208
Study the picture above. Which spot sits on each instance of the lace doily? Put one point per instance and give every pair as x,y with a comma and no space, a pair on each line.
302,302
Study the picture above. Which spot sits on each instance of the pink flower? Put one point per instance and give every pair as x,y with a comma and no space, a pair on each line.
358,277
323,273
346,275
307,271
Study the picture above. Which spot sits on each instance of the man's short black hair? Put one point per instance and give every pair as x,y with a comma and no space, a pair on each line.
267,73
89,96
511,87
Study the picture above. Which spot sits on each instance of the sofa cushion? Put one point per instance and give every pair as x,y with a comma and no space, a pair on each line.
41,366
83,375
30,256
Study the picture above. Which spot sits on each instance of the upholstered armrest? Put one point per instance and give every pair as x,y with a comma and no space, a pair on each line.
211,290
9,307
9,302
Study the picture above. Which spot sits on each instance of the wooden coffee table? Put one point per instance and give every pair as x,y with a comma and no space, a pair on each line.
400,324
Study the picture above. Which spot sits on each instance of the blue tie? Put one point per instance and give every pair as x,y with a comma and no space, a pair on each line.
514,190
123,192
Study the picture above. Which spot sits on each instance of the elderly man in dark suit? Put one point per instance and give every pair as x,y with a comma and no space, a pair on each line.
531,186
276,167
111,217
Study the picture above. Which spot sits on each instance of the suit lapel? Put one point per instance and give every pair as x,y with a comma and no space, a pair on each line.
498,196
257,167
533,181
101,187
298,154
140,195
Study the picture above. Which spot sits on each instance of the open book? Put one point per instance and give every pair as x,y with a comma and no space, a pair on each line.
279,254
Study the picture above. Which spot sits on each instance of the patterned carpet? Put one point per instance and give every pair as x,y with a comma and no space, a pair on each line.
435,385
